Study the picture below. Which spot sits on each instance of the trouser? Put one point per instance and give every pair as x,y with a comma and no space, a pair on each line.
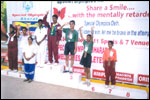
52,49
29,71
20,57
13,58
41,54
110,72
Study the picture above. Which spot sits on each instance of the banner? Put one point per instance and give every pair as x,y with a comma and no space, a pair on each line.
124,22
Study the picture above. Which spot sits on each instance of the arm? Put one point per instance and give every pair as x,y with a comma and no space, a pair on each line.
59,35
61,27
25,56
81,33
31,56
92,31
36,40
18,29
75,50
44,20
29,29
104,59
42,39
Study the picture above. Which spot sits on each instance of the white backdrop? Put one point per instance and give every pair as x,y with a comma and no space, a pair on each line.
119,21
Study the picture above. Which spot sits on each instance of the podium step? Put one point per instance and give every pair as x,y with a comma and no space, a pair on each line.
54,75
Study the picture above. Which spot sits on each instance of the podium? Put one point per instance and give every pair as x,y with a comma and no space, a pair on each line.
54,75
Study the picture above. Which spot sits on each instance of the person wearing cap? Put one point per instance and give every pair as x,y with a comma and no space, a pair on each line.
40,39
71,36
54,36
109,61
12,48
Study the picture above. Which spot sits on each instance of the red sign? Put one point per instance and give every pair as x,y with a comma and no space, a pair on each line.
98,74
78,70
143,79
124,77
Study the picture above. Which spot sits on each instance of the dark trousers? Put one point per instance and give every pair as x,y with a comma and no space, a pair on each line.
110,72
52,49
13,58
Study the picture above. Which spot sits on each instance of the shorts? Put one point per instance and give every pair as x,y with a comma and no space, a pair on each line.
86,62
69,47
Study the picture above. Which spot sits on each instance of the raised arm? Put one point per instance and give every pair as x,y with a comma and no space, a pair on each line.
92,31
45,20
61,27
28,27
81,33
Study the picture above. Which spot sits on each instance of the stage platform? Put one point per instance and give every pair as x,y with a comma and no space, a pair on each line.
54,75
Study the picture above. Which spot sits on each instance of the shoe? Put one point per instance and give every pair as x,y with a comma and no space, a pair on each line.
70,70
9,70
106,86
49,63
41,66
37,65
55,64
112,86
65,71
88,83
15,70
26,80
21,72
30,81
85,82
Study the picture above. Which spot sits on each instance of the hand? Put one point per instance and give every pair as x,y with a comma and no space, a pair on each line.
80,28
84,55
27,26
14,24
75,51
103,65
47,12
19,27
92,28
27,59
39,43
66,23
57,42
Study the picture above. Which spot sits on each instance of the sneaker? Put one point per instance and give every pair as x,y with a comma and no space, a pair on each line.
37,65
15,70
70,70
106,86
21,72
55,64
26,80
65,71
85,82
49,63
30,81
112,86
9,70
88,83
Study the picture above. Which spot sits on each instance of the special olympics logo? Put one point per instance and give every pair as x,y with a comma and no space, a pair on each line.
27,5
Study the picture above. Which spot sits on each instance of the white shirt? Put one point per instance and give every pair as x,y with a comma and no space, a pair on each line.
23,40
29,50
40,33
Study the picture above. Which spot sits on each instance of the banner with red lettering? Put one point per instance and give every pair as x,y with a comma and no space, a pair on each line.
124,22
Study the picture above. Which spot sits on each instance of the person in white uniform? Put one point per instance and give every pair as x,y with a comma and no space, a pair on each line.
22,41
29,53
40,38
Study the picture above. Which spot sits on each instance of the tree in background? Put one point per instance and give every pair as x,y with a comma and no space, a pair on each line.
3,18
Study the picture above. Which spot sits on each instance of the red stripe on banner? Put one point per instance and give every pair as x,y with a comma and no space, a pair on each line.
143,79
